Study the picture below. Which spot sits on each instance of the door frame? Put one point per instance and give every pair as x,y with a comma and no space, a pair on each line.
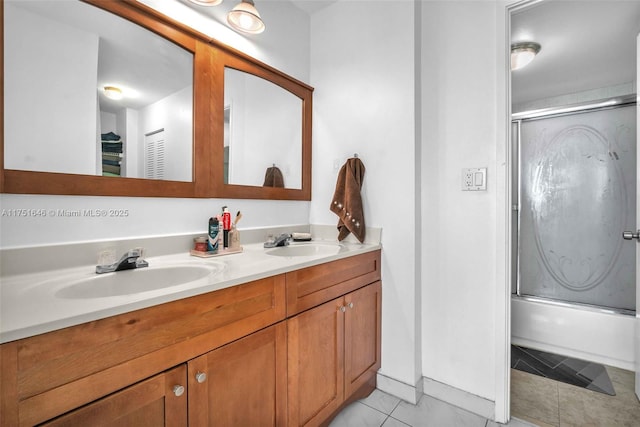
637,325
504,202
504,265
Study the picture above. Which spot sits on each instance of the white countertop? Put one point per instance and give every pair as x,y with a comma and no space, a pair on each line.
29,305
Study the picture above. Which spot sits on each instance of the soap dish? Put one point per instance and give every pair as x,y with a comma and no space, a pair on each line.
301,237
220,252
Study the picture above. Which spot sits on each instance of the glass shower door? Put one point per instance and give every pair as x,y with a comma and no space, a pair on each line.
577,196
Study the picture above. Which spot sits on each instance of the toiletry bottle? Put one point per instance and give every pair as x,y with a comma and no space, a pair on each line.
226,225
234,237
214,226
234,234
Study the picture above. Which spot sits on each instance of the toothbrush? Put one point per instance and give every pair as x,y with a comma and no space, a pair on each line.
238,216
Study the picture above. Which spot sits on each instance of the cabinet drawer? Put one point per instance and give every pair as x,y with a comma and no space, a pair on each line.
55,372
152,402
315,285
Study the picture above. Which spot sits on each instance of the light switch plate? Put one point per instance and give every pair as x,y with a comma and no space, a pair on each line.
474,179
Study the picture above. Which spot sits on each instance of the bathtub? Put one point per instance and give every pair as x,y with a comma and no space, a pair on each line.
582,332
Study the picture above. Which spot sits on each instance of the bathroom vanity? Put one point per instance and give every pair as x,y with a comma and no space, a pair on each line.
287,349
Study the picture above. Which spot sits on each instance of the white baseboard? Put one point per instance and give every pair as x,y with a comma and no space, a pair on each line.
407,392
462,399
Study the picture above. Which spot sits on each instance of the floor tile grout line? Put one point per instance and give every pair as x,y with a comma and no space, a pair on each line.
382,412
400,421
557,384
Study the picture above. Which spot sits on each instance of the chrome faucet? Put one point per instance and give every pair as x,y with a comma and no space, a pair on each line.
131,259
281,240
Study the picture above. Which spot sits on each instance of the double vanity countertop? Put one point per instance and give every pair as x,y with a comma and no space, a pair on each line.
35,303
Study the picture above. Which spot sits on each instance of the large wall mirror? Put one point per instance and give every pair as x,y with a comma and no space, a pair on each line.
88,92
165,136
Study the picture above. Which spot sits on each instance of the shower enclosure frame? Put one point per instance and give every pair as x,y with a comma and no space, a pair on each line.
516,193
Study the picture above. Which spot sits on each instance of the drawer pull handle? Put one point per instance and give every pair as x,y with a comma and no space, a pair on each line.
201,377
178,390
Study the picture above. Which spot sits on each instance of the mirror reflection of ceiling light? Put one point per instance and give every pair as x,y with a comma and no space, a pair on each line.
113,92
245,18
523,53
206,2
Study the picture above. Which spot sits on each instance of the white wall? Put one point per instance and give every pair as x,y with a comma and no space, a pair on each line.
284,45
459,228
54,81
362,66
363,71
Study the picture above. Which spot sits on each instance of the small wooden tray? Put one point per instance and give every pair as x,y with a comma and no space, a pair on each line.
220,252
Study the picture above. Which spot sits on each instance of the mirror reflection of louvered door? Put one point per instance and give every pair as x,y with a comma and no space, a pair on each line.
154,154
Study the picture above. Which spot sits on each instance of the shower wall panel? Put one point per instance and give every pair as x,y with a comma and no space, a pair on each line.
577,196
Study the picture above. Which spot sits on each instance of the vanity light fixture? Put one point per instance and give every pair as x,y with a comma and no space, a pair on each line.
523,53
206,2
245,18
113,92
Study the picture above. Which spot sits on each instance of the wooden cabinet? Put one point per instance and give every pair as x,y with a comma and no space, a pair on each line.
241,384
48,375
334,354
290,349
362,335
158,401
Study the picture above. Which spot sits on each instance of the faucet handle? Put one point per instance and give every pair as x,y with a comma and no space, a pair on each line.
139,253
107,256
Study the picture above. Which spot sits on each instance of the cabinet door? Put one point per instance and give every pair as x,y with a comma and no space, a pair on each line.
315,363
156,401
242,383
362,337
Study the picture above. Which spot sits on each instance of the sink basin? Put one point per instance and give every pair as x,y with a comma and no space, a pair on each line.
129,282
307,249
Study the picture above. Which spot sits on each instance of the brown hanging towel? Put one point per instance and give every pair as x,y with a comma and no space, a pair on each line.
347,201
273,177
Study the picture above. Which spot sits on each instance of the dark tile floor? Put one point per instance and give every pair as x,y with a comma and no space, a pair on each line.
592,376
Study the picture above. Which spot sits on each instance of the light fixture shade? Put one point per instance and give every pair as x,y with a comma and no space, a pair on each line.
523,53
113,92
245,17
206,2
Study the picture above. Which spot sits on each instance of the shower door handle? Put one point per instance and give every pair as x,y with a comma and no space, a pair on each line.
630,235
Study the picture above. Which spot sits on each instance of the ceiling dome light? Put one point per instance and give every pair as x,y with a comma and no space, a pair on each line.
113,92
245,17
206,2
523,53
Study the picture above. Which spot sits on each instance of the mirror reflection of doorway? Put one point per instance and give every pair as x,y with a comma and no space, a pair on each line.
154,154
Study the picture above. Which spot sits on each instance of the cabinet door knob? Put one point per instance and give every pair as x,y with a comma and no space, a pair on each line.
201,377
343,309
350,305
178,390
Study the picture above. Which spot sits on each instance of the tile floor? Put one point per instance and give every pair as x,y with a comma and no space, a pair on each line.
381,409
545,402
535,401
